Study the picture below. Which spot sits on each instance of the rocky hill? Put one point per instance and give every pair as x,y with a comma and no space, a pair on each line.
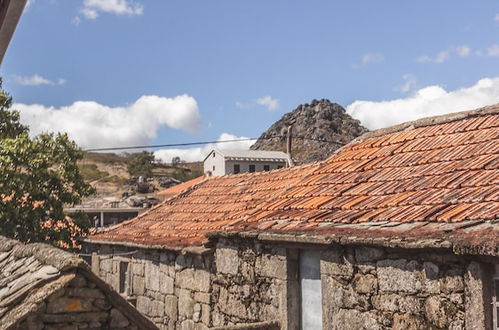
319,128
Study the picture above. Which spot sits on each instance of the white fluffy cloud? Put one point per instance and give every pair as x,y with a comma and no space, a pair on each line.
428,101
93,125
92,8
268,102
198,154
37,80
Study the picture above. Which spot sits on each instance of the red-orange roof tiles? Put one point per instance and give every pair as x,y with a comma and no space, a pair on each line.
175,190
207,206
433,170
447,171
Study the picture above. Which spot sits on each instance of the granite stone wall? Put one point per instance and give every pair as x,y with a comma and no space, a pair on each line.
80,305
401,289
245,281
179,290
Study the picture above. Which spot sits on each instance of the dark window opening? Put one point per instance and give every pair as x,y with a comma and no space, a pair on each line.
279,166
266,168
252,168
123,277
237,168
213,168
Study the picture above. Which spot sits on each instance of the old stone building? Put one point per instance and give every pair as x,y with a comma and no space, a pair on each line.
396,230
42,287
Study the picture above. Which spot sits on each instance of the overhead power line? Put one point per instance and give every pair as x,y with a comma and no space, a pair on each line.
170,145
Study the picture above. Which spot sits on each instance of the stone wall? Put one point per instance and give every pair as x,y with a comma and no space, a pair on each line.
246,281
190,291
171,288
400,289
80,305
251,283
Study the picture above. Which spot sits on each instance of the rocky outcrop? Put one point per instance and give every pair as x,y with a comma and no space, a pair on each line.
319,128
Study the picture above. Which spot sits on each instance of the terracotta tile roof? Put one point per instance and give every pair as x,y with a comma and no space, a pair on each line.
443,169
208,206
175,190
435,170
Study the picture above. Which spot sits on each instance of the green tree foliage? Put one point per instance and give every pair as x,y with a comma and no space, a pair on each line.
140,163
39,176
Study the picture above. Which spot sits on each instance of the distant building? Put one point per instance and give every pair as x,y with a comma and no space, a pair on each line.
220,162
109,211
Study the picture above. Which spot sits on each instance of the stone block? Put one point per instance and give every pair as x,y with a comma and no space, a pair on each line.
431,282
84,293
227,261
78,282
338,295
65,305
166,284
439,311
474,296
102,304
205,314
408,322
273,266
202,297
452,282
353,320
118,320
138,268
397,303
157,308
144,305
187,325
171,303
152,276
106,264
333,262
365,283
185,303
399,276
196,315
138,285
368,254
193,279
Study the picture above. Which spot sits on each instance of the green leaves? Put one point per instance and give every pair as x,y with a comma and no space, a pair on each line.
140,163
38,177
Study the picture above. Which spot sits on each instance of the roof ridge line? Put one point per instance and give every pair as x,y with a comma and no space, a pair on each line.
427,121
45,253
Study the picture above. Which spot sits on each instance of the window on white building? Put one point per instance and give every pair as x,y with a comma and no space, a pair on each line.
252,168
266,168
237,168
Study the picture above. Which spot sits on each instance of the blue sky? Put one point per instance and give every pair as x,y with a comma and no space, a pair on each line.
237,66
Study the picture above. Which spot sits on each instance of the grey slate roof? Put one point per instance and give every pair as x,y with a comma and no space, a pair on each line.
30,273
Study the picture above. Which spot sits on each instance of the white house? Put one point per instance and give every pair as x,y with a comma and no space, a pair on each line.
221,162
